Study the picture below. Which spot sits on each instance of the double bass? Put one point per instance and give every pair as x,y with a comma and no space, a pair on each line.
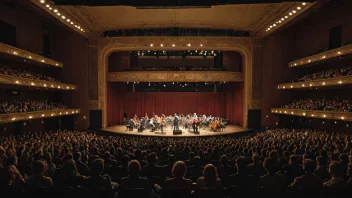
215,125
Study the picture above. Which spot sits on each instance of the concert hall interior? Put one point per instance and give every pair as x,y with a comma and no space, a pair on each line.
175,98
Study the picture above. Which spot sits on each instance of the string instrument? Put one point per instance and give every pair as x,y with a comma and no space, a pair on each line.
194,121
135,120
215,125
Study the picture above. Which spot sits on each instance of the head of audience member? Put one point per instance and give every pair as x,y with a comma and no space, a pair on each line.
134,168
269,166
256,159
152,159
39,168
69,169
321,161
224,160
210,174
241,164
179,170
336,169
97,167
309,166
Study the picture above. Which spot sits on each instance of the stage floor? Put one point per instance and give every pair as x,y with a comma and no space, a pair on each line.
121,129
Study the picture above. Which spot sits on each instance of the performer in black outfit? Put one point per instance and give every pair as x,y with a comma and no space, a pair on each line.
195,126
176,120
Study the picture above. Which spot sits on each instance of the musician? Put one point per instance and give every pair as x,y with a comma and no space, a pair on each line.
146,117
176,121
195,117
195,125
152,124
130,124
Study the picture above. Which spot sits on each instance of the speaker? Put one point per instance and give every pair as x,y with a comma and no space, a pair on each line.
254,119
95,119
177,132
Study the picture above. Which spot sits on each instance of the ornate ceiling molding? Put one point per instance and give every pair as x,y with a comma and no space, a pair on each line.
14,117
175,76
331,115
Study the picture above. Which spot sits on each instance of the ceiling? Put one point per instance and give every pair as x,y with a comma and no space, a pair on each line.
247,17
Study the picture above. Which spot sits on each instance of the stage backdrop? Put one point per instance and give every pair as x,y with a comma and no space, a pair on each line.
227,104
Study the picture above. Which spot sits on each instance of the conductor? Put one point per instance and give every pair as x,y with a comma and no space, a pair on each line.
176,121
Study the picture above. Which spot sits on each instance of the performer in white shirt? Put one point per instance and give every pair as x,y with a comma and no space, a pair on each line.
152,124
195,117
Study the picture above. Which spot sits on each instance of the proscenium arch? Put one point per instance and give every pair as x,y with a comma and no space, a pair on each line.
109,45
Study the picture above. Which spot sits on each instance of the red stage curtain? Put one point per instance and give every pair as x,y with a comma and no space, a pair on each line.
227,104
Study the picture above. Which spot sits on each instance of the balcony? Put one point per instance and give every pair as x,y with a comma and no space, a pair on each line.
175,76
338,81
14,53
14,117
330,115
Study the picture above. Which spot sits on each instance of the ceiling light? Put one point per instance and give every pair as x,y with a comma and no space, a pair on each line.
294,11
50,8
173,45
55,10
286,17
274,25
290,13
271,26
189,45
68,20
161,45
47,5
42,1
201,45
151,45
71,23
63,17
304,3
58,13
282,19
298,8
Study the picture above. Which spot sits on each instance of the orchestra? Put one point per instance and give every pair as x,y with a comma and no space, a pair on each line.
190,121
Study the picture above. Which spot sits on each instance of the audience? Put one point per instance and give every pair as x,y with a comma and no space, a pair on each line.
15,106
176,68
25,73
278,160
321,105
330,73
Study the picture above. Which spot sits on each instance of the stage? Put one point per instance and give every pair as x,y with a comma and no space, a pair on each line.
229,130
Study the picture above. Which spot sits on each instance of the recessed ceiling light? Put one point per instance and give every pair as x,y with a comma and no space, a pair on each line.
47,5
304,3
286,17
42,1
68,20
298,8
294,11
173,45
161,45
71,22
189,45
290,13
63,17
151,45
201,45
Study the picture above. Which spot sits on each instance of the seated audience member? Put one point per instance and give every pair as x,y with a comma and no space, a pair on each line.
134,180
11,179
256,168
69,175
38,180
322,170
225,169
210,178
272,180
293,169
349,174
152,169
308,181
179,181
241,178
196,170
336,183
98,181
82,168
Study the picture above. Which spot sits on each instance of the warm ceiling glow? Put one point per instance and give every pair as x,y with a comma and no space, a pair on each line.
298,8
42,1
201,45
293,11
55,10
173,45
47,5
290,13
286,17
161,45
63,17
189,45
304,3
151,45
